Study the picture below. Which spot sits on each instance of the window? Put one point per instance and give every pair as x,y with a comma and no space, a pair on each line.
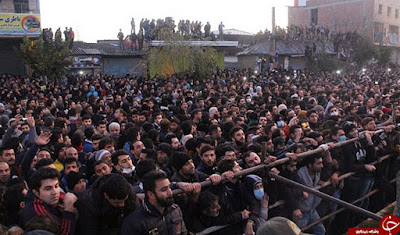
380,9
314,16
21,6
397,13
389,13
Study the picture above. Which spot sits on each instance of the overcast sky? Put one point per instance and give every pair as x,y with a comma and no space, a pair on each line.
94,20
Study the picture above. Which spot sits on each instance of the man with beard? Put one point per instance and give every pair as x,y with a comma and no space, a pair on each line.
238,139
158,213
7,155
313,120
103,207
5,175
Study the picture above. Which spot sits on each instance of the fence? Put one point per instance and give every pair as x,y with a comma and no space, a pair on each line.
346,205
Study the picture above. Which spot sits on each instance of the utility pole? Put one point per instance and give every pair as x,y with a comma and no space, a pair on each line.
272,42
272,47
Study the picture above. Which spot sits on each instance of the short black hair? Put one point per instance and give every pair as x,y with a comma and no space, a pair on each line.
206,200
144,167
44,162
70,160
226,164
117,187
234,130
149,180
116,154
105,141
35,180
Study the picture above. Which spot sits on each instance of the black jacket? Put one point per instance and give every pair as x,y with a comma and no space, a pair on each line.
148,220
97,216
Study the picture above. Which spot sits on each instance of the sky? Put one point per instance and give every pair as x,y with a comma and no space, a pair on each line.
94,20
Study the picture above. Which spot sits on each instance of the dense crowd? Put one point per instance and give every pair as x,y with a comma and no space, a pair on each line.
102,154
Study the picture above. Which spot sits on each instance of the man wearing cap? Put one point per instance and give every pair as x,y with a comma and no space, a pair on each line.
208,163
76,183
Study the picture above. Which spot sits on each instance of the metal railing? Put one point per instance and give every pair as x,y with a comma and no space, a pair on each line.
315,190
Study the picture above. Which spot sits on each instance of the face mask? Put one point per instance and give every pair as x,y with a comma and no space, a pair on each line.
248,100
259,193
280,124
342,138
214,214
128,170
334,113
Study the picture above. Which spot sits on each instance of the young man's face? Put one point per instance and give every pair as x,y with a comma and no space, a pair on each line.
25,128
49,191
371,126
124,161
175,143
239,136
318,165
102,169
8,156
252,160
110,148
71,167
87,123
209,158
101,128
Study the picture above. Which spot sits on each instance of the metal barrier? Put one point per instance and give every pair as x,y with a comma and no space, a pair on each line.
315,190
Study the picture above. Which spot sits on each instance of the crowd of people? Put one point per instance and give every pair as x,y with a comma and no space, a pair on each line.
103,154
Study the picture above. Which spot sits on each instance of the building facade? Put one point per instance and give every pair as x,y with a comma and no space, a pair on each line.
376,19
18,18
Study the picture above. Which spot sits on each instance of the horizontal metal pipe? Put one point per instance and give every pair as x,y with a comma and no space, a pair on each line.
342,209
326,196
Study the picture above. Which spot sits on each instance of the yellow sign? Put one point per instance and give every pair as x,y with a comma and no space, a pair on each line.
19,24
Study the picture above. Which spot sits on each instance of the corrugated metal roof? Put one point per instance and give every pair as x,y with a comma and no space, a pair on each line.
102,48
233,32
200,43
285,47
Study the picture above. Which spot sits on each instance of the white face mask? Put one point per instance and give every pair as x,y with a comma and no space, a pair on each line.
128,170
334,113
248,100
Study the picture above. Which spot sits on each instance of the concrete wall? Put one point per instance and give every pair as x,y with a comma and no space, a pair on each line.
247,61
122,66
10,63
